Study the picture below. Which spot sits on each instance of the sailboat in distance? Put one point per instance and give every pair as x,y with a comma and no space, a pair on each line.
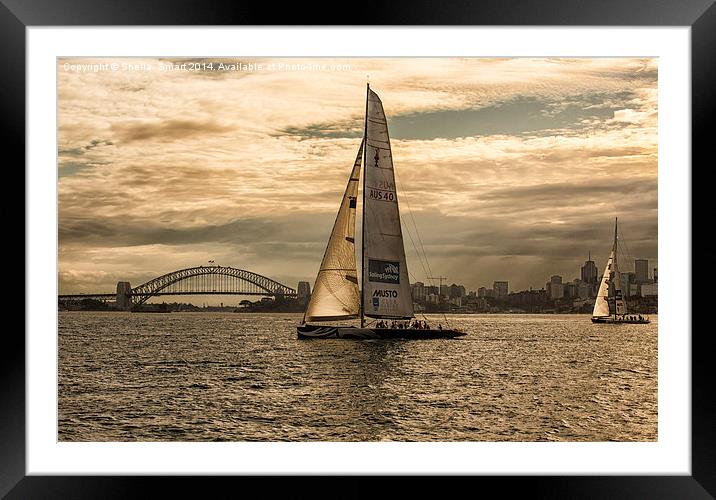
384,295
612,308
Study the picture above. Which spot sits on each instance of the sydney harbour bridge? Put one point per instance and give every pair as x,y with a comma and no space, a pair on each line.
201,280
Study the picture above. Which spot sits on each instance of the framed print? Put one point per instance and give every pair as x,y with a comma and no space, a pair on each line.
362,250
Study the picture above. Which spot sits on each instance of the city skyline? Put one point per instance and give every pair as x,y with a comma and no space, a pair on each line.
512,169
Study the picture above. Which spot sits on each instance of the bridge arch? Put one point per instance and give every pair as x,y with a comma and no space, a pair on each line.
164,285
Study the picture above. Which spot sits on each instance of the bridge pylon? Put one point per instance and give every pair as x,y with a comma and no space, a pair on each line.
124,299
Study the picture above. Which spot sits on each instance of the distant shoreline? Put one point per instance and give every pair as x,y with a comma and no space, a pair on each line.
202,311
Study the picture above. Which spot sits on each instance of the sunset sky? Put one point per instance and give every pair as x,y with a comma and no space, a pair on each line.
512,169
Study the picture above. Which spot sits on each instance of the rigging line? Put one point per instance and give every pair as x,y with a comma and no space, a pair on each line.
623,240
412,241
417,252
417,232
429,276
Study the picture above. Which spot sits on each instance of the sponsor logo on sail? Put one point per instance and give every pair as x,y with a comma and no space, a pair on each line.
384,271
393,294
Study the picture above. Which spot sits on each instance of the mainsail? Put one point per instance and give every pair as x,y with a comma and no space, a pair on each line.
386,288
335,292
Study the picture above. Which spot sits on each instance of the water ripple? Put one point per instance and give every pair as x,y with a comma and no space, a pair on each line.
244,377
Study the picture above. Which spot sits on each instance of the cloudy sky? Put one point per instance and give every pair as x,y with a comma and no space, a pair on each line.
507,169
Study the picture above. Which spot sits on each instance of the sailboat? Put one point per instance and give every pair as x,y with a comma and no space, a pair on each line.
613,309
384,295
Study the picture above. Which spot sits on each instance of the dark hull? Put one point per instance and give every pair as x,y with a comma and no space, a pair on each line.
352,332
618,320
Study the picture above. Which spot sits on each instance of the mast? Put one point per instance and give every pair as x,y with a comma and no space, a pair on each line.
362,240
616,221
616,267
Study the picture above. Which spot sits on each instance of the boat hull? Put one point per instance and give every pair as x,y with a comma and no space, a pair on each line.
619,320
355,333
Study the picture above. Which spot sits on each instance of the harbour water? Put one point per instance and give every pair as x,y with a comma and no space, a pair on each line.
246,377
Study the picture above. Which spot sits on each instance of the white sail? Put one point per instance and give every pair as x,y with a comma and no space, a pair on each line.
386,288
335,292
601,304
611,276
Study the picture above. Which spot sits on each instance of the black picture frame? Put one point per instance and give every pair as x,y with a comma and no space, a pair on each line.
17,15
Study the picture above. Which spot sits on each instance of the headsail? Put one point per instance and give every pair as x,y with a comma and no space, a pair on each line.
335,292
601,304
611,276
386,288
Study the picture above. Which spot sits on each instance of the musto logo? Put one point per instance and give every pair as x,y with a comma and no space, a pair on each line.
379,297
384,271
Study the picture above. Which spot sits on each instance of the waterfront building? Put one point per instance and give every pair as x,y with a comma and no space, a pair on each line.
641,266
627,282
501,288
456,291
649,289
589,271
584,290
556,290
418,289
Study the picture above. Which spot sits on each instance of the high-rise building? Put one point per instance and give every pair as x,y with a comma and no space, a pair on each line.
556,279
304,289
556,290
456,291
583,289
641,266
501,288
589,271
418,289
627,282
